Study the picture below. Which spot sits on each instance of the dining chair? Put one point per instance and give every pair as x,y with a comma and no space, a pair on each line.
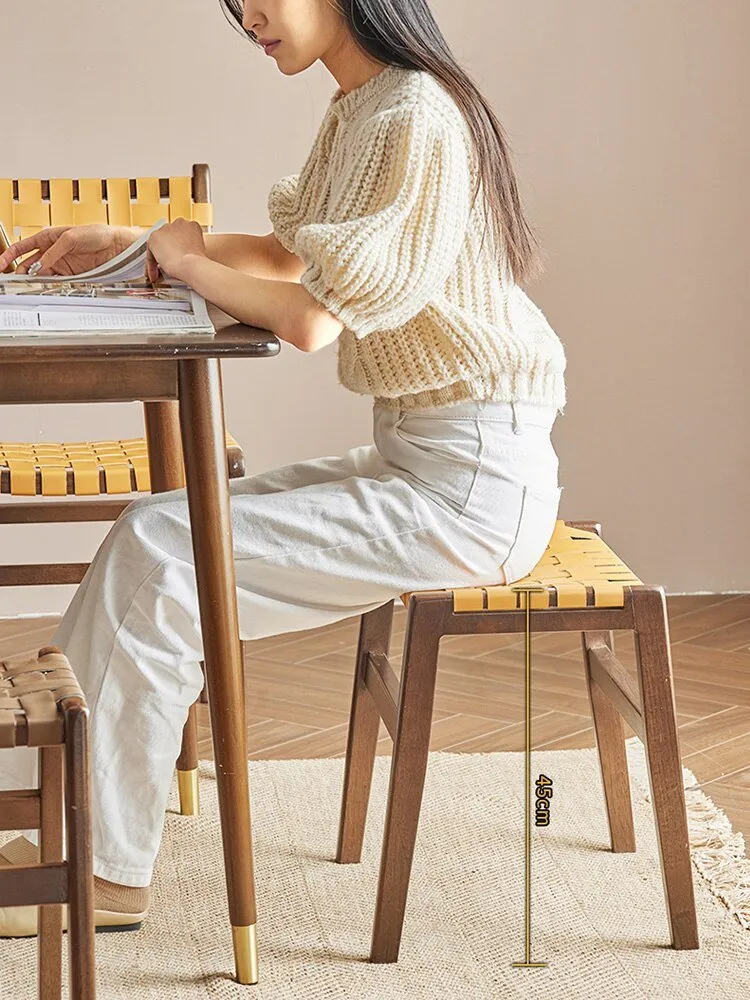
42,706
579,585
97,473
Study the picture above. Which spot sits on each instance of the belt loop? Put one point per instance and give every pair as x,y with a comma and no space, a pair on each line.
517,426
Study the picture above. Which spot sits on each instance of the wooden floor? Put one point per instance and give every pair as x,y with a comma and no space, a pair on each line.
299,690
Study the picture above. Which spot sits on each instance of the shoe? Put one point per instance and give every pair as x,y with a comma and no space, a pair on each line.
23,921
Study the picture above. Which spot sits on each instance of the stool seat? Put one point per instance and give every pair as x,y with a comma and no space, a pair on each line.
31,687
86,468
578,567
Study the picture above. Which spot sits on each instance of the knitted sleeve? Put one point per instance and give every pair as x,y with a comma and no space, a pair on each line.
396,223
280,210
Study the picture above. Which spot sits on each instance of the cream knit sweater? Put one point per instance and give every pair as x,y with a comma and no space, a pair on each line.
381,215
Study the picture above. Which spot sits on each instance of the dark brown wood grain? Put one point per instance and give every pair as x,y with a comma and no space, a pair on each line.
49,950
610,742
33,884
80,857
167,472
664,764
21,810
374,637
408,772
203,437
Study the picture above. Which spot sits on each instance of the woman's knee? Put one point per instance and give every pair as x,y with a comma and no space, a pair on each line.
160,529
155,499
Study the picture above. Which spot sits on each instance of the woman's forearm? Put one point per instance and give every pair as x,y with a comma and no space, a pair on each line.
283,307
240,251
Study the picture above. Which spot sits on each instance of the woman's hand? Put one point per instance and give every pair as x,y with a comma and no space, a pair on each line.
69,249
170,245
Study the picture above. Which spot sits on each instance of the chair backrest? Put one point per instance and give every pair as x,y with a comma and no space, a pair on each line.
28,205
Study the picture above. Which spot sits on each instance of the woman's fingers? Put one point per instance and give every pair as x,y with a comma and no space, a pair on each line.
152,267
21,247
41,241
24,266
54,260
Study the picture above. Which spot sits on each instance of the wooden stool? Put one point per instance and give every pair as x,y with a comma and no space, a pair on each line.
584,587
42,705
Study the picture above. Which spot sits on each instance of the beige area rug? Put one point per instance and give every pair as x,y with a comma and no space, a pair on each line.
598,918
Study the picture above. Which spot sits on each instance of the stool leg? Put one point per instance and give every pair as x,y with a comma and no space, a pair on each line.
80,871
49,945
664,762
187,766
364,724
613,760
408,771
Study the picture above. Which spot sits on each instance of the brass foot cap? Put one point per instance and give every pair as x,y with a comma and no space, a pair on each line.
245,954
187,785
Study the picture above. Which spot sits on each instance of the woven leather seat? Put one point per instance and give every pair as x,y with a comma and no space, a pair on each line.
579,585
577,570
31,689
86,468
42,705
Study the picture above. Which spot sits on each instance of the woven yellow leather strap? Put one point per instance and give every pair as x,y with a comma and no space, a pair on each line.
30,212
86,459
31,686
574,560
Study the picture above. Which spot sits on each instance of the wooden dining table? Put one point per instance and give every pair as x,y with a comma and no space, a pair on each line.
178,378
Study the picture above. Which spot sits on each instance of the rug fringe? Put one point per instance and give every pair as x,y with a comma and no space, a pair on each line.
717,851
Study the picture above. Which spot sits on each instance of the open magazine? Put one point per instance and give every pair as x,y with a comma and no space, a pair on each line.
114,297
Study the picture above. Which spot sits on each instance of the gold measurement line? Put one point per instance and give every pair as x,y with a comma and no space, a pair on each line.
527,963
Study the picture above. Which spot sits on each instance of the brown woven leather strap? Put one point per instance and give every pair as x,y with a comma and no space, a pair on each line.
31,688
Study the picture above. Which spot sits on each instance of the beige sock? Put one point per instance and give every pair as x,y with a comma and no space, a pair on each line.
116,898
109,896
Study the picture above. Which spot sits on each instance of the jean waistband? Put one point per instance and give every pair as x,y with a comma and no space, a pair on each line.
518,412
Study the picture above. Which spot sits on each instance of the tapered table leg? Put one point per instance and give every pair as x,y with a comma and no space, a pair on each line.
166,471
204,450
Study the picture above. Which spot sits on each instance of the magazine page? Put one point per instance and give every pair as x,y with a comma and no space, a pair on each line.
115,296
130,263
41,306
64,320
134,294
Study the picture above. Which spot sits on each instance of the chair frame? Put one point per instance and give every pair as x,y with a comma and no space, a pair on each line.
406,707
54,881
162,431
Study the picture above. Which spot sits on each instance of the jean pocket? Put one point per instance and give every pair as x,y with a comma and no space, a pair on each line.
442,458
539,509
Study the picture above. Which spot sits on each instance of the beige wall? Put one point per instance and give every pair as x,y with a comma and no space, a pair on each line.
629,124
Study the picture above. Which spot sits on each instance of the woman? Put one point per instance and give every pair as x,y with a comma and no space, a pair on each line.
401,236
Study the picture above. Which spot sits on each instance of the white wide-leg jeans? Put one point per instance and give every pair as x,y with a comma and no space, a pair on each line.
452,496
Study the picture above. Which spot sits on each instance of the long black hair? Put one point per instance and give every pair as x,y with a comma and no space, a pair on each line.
404,33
